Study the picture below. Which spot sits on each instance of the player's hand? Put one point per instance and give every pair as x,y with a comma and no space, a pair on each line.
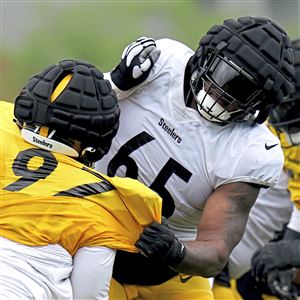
159,242
136,63
279,255
281,284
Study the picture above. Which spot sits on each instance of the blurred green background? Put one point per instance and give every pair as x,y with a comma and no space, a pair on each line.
35,34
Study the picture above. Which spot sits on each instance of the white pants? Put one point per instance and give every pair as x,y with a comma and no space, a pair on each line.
49,272
40,273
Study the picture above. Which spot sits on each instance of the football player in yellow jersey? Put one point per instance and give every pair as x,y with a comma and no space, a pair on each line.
60,221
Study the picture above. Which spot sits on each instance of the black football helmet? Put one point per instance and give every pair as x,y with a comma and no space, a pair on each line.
240,71
69,108
285,117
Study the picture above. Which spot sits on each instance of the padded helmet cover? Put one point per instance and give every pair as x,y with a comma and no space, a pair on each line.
261,48
287,113
86,110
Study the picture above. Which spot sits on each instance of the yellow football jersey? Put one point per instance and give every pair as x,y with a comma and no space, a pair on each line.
49,198
292,166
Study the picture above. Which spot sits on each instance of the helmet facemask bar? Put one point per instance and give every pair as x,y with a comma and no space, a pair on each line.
224,92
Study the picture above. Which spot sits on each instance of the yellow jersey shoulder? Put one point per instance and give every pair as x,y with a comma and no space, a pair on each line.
291,166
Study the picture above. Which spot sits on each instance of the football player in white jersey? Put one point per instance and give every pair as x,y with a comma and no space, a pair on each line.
192,132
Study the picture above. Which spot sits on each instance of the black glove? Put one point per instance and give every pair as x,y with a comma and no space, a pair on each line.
159,242
223,278
280,255
136,63
281,284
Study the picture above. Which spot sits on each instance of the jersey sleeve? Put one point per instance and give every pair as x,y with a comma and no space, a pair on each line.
92,271
256,158
268,216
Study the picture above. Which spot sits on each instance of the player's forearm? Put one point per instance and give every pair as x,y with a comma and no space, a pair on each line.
202,259
231,204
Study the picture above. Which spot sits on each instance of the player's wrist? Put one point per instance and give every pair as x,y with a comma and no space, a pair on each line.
108,76
176,253
159,242
119,80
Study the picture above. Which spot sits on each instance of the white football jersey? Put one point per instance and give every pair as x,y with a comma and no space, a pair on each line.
175,151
